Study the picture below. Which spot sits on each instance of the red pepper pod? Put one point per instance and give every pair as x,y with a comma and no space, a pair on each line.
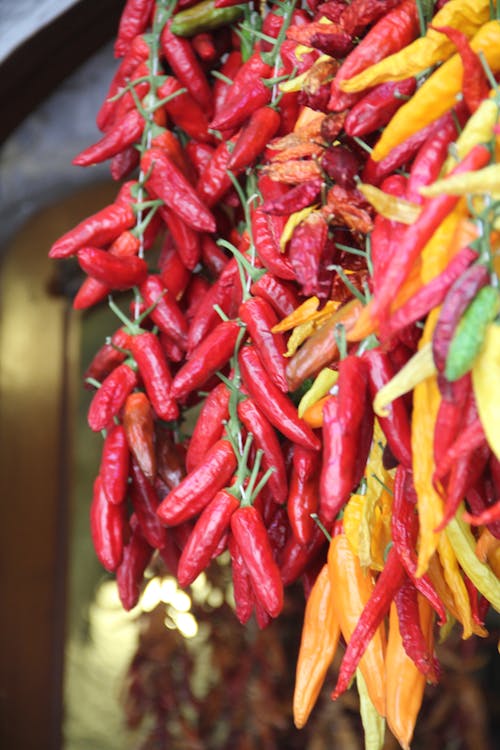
145,503
266,439
108,526
107,357
266,241
279,294
396,425
199,486
155,374
303,492
209,426
170,457
377,107
244,598
182,59
245,96
186,239
278,408
259,318
213,257
166,313
475,86
184,111
305,252
298,197
414,642
214,180
136,556
139,429
250,534
117,272
134,19
222,86
173,273
114,466
167,182
122,133
213,521
109,399
226,293
253,138
296,558
209,356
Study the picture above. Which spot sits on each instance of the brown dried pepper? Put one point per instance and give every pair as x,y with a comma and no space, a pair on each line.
139,429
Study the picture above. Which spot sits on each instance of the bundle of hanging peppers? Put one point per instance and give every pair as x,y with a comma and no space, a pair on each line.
306,359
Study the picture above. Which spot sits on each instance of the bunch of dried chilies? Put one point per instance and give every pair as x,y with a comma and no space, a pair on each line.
308,220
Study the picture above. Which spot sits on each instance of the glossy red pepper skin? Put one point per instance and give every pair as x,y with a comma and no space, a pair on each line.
214,180
213,521
122,133
134,19
245,96
361,13
296,558
108,357
209,356
259,318
377,107
475,86
279,294
199,486
224,292
253,138
99,229
186,239
250,534
244,598
173,273
145,502
213,257
295,199
266,240
136,556
229,69
454,402
414,643
114,466
209,426
139,429
168,183
182,59
396,425
154,371
170,457
109,399
266,440
184,110
303,492
108,528
277,407
306,250
123,164
166,313
117,272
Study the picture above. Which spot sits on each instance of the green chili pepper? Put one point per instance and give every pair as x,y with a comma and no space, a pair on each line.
204,17
469,336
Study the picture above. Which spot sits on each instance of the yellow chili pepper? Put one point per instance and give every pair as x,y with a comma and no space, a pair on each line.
417,369
324,380
438,94
297,83
292,223
463,543
390,206
320,636
446,241
306,329
301,314
453,577
477,129
485,380
434,47
373,723
486,180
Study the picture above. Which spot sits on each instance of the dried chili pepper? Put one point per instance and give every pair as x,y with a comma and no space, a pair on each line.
259,319
165,312
214,180
145,503
186,239
139,429
117,272
377,107
406,600
108,528
109,356
247,94
302,501
109,399
296,558
253,138
209,426
180,56
129,574
155,374
277,293
133,21
184,110
121,134
243,593
114,466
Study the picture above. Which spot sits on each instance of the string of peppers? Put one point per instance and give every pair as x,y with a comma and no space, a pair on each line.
309,227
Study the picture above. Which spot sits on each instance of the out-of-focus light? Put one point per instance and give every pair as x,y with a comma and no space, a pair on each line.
215,598
181,601
168,589
186,624
151,596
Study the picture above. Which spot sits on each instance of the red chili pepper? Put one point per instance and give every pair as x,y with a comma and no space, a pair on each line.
99,229
250,534
108,525
306,250
404,531
266,235
184,111
109,399
429,296
123,164
294,199
199,155
108,357
213,257
136,556
296,558
138,88
246,95
180,56
117,272
145,503
395,30
209,426
155,374
208,357
449,418
396,425
122,133
170,457
173,273
259,319
361,13
266,440
388,583
199,486
139,429
330,39
166,313
187,240
253,138
243,593
475,86
377,107
484,507
205,536
198,287
303,493
214,180
167,183
229,69
277,407
134,20
414,642
114,466
167,141
281,295
204,46
347,437
226,294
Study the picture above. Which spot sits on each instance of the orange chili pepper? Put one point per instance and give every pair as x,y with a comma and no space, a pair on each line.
314,414
139,429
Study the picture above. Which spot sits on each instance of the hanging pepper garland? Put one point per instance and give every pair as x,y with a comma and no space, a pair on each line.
330,306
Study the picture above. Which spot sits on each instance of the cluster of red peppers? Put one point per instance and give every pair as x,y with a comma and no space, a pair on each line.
305,372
